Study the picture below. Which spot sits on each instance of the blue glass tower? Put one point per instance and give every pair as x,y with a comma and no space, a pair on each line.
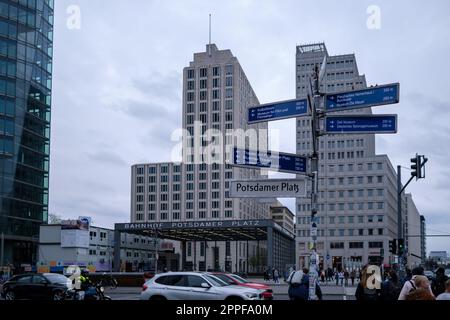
26,44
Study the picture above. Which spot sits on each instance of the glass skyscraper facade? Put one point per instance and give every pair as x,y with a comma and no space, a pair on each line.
26,44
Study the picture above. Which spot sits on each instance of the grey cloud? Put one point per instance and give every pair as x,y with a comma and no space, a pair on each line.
107,157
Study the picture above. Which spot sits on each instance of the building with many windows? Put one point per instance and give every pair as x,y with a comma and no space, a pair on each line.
26,49
357,188
216,95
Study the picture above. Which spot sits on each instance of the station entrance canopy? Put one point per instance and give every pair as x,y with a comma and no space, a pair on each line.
280,242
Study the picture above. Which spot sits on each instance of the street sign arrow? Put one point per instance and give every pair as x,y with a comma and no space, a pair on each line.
362,124
276,161
278,110
375,96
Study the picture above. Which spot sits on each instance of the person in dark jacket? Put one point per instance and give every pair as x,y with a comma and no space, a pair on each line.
438,283
391,287
300,291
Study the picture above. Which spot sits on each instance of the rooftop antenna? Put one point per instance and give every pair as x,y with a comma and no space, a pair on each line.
209,47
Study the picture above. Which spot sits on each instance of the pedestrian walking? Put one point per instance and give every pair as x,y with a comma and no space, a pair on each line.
276,275
346,276
421,290
438,283
336,276
363,291
299,286
410,285
322,276
391,287
341,277
352,276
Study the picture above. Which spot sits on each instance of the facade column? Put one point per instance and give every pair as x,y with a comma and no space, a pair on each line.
270,247
117,242
183,255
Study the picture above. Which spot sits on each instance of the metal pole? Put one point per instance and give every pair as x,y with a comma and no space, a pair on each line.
156,251
399,215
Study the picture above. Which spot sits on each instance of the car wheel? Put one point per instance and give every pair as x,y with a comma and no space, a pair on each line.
157,298
10,295
58,296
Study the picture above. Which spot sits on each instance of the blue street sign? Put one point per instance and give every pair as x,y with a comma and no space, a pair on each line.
386,123
277,161
278,111
375,96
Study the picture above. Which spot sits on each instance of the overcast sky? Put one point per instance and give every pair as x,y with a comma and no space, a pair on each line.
117,86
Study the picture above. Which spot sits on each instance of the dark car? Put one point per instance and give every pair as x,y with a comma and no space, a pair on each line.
45,286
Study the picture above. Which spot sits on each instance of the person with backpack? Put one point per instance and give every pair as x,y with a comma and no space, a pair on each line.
438,283
410,285
390,288
421,290
363,292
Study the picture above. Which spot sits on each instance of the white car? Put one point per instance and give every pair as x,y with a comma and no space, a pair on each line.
195,286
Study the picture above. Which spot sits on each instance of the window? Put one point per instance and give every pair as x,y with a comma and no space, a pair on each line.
331,220
370,232
375,245
341,232
356,245
380,218
380,205
336,245
203,72
380,231
360,219
350,219
360,232
379,179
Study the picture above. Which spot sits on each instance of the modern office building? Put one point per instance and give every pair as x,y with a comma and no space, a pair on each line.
26,45
357,188
423,238
283,216
216,95
412,233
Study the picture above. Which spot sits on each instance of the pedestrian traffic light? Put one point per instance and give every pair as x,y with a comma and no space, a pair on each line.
401,246
393,246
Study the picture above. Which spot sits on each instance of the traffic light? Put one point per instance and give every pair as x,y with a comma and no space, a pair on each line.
393,246
401,246
418,166
415,166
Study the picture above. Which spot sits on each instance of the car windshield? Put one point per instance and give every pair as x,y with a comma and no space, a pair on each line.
242,280
56,278
215,281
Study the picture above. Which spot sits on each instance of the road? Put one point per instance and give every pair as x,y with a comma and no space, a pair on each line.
280,292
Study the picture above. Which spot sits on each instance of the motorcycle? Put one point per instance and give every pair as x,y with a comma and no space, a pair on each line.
93,293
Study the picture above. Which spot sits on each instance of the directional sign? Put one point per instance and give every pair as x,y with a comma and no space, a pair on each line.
277,161
361,124
278,111
269,188
375,96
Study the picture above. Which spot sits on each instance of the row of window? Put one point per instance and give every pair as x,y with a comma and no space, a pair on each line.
352,180
189,177
343,232
344,206
203,95
203,84
343,219
203,106
176,215
203,72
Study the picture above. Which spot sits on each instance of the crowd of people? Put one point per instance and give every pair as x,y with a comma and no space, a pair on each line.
415,286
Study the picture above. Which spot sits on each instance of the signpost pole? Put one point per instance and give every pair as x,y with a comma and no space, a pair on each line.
313,274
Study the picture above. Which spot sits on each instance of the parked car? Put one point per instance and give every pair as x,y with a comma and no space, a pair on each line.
429,274
50,286
234,279
195,286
